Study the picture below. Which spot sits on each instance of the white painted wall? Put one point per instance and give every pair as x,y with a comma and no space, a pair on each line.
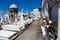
58,23
54,13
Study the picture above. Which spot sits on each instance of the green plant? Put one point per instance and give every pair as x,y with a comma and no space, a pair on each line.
54,28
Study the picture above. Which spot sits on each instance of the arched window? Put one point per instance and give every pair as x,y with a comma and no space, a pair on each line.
12,16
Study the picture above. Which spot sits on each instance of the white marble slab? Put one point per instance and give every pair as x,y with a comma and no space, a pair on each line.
6,34
43,30
10,27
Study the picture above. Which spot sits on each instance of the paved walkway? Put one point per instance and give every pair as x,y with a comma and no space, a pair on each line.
31,33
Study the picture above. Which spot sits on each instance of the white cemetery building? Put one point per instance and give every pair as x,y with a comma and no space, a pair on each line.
35,14
44,11
11,14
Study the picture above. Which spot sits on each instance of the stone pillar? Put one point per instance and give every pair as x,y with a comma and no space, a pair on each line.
21,18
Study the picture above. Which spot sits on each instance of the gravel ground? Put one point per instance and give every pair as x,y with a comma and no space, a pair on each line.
31,33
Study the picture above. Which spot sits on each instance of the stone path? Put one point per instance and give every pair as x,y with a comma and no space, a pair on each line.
31,33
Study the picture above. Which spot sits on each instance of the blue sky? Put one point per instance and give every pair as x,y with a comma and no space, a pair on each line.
25,4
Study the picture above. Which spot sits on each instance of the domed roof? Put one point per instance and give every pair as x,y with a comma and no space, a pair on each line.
13,6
